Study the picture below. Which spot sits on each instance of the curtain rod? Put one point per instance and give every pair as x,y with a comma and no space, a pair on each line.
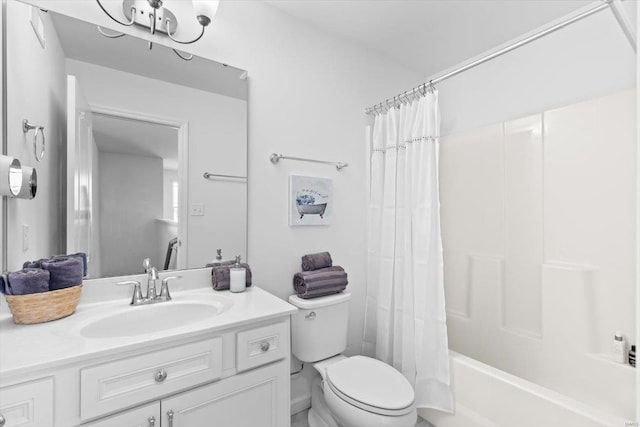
422,88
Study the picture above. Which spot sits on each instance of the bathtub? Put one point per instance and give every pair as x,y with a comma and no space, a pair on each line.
486,396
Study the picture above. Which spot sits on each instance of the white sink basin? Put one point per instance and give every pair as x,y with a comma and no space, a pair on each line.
146,319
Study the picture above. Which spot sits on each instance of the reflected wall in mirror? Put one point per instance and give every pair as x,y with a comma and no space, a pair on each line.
130,133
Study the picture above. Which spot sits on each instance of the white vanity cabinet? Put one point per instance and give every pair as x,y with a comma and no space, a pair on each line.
191,387
253,398
230,368
28,404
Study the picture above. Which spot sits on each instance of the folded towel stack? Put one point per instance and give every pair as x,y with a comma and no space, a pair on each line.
58,272
319,277
316,261
65,272
38,263
221,276
26,281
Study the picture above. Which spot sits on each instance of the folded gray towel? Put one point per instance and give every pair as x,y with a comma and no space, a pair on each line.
220,276
317,283
38,263
316,261
65,272
27,281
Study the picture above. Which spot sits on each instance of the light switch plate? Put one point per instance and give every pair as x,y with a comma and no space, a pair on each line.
197,209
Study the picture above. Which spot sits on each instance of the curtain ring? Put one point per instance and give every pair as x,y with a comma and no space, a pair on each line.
432,88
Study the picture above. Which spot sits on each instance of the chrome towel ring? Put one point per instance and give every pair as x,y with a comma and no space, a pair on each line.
26,127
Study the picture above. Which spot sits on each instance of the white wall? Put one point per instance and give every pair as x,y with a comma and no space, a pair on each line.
307,93
586,59
130,202
40,97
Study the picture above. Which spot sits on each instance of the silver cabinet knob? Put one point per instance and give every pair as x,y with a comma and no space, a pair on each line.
161,375
310,316
265,346
152,421
2,420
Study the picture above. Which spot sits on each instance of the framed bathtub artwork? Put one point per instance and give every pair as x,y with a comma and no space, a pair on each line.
310,200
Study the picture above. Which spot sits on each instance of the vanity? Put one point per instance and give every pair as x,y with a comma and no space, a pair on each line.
205,358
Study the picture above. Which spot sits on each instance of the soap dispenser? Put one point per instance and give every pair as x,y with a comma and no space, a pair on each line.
237,277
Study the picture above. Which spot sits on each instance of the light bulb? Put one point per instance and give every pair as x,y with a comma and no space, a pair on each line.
205,10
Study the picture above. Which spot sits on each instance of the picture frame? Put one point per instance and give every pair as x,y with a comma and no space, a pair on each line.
310,200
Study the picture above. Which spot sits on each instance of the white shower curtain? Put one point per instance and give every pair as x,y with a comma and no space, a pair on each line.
405,322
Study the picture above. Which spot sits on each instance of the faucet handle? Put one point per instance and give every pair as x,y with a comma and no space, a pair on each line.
164,290
137,290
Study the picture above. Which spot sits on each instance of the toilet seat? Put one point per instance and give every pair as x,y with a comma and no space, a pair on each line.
371,385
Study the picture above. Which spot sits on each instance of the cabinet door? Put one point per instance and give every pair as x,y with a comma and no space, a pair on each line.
255,398
144,416
28,404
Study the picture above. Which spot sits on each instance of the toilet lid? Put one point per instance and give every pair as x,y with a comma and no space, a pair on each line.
371,385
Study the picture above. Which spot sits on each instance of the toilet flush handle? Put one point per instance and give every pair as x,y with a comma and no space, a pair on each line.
311,316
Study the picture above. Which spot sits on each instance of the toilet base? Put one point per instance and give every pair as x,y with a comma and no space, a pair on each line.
319,414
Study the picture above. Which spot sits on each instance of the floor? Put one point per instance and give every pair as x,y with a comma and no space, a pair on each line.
300,420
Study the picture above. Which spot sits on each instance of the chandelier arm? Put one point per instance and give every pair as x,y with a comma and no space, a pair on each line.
180,41
111,36
186,58
133,14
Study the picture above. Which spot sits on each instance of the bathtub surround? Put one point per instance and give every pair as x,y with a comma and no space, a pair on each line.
405,316
538,214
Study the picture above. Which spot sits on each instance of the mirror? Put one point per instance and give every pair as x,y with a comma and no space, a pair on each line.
131,133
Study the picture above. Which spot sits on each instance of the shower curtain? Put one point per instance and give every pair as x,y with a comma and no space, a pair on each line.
405,320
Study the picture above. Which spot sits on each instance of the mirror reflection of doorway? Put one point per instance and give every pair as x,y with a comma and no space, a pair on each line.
137,168
125,170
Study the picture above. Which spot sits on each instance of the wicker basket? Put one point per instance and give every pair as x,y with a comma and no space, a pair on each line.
44,306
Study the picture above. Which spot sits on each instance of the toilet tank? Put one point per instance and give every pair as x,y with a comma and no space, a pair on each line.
319,327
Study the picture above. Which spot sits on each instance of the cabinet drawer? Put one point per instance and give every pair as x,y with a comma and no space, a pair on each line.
263,345
27,404
112,386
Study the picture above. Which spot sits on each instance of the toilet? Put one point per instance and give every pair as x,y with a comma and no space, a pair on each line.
355,391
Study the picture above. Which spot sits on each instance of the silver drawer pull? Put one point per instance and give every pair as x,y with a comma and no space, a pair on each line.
161,375
310,316
2,420
152,421
265,346
170,415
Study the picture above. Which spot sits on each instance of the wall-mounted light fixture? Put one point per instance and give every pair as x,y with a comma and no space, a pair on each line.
152,14
10,176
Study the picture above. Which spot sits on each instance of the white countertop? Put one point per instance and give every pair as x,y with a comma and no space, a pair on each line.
24,348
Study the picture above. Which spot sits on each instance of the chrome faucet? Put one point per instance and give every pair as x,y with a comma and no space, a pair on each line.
152,297
151,279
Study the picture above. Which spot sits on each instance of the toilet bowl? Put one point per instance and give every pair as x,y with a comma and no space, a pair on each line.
355,391
360,392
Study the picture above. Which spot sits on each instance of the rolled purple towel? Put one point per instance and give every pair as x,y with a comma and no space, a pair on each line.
221,276
80,255
27,281
317,283
316,261
65,272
